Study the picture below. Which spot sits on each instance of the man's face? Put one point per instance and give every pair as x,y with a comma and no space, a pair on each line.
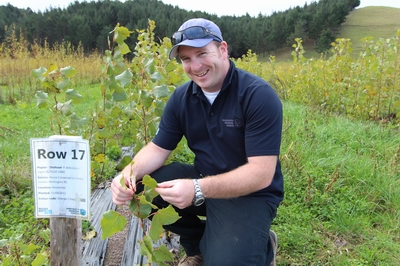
206,66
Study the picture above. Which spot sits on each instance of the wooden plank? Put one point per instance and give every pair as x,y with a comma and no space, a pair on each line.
94,250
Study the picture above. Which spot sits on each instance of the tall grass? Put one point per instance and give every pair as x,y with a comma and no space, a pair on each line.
18,58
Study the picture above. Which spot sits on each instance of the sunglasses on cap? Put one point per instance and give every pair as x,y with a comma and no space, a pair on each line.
191,33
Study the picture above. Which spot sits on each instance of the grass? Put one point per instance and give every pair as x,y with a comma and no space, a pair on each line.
342,191
341,178
19,123
378,22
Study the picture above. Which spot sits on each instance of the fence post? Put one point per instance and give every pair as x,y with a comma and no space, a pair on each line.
65,242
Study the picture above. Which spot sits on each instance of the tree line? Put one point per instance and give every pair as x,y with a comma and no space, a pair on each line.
88,24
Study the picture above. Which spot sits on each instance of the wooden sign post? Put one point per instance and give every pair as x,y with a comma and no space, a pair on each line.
61,181
65,242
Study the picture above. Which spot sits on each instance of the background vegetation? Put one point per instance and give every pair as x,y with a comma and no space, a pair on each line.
340,151
370,21
87,24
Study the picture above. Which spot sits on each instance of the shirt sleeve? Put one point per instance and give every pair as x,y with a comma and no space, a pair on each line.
169,132
263,127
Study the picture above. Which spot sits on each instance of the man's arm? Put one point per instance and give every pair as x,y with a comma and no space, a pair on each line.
147,160
248,178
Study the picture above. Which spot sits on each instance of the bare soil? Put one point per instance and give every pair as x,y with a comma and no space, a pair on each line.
116,243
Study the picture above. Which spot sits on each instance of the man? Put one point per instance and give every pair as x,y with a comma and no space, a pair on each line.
232,121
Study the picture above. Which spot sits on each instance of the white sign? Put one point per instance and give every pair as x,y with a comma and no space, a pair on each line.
61,177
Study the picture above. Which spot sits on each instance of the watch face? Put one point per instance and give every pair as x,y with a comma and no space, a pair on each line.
198,201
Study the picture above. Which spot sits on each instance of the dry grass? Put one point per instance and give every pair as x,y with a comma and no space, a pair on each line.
377,21
18,58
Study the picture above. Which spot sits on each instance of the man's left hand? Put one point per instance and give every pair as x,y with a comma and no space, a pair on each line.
179,192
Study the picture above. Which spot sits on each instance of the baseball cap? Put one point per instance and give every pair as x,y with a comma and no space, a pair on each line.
196,32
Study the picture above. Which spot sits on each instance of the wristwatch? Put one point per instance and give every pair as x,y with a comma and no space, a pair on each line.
198,195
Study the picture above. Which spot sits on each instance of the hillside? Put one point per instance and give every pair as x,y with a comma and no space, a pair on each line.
376,21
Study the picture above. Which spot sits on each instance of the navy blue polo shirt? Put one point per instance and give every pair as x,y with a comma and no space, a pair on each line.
245,120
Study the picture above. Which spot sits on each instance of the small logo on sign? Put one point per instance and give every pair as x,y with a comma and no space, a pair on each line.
82,212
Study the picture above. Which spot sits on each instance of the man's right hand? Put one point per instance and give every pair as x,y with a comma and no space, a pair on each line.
121,194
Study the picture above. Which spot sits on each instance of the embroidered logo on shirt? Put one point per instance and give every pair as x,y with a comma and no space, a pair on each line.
232,122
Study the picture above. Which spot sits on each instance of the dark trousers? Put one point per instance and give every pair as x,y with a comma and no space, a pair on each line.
235,232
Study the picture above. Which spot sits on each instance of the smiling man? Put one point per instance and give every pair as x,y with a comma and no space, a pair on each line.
232,121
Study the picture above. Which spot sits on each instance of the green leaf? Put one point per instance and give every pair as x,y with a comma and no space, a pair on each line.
162,217
102,119
170,66
145,207
3,242
112,222
68,71
30,249
51,85
76,122
150,66
147,100
65,108
163,254
116,112
156,76
146,248
71,94
124,32
149,181
150,194
38,73
133,206
158,111
119,95
122,182
103,133
41,99
161,91
40,259
45,235
7,261
64,84
23,247
124,48
174,78
121,33
125,78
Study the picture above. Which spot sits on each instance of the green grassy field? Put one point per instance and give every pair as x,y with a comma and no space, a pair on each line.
341,179
342,183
